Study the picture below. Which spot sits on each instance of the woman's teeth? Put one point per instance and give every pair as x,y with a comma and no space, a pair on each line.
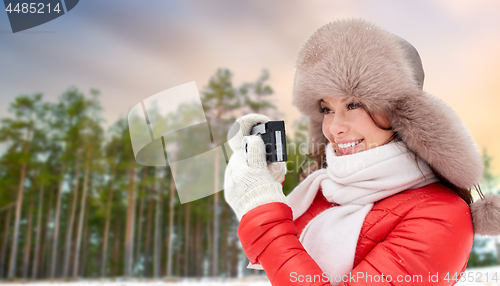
346,145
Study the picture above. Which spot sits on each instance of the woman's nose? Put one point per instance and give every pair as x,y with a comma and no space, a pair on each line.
339,125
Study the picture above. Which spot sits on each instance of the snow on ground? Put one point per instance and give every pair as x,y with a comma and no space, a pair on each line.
487,276
247,281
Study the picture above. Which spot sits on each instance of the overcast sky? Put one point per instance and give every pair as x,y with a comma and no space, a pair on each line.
130,50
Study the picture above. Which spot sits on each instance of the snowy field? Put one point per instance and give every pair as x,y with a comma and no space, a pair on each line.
488,276
247,281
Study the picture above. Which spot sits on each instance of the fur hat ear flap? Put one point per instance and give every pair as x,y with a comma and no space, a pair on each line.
486,215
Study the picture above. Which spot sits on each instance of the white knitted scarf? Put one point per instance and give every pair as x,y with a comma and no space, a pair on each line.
355,182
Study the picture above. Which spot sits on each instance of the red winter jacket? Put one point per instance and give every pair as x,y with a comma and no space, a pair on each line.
423,236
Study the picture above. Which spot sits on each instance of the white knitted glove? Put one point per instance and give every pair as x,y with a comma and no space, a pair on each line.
249,183
241,128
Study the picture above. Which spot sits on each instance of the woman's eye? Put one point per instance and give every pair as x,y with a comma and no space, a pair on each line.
353,105
325,110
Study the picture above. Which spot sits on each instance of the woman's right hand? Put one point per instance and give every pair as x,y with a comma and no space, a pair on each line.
249,183
242,127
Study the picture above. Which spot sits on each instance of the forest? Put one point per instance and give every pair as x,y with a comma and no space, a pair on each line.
75,203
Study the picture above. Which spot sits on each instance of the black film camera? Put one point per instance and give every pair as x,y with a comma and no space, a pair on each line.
273,135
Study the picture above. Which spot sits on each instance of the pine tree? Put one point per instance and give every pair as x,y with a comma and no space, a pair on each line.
28,111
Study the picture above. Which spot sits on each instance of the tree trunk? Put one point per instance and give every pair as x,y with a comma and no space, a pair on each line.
83,270
234,258
19,205
158,229
6,230
117,235
55,236
186,238
45,259
210,250
149,226
69,228
215,253
199,249
225,246
27,245
38,235
129,233
171,222
106,226
141,213
82,215
178,253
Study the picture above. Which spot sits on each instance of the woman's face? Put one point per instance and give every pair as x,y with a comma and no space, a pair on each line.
350,128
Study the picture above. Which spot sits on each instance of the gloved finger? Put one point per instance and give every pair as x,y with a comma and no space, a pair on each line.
242,127
278,171
256,152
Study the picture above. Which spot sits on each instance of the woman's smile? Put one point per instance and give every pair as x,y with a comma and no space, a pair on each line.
348,148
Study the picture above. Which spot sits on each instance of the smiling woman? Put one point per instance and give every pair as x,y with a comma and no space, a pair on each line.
391,198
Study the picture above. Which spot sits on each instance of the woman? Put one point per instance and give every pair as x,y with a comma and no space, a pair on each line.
390,201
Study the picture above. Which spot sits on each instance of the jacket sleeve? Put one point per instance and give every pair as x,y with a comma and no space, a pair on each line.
269,237
429,240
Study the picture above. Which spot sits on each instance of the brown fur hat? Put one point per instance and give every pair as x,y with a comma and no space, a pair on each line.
357,60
